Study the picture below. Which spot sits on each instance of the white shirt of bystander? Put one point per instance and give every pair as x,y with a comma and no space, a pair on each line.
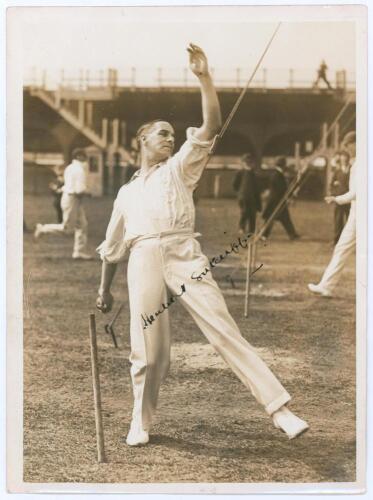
75,177
350,196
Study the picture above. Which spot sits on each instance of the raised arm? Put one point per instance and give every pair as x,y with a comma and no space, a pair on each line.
210,104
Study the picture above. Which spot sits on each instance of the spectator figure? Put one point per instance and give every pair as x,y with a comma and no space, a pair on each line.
277,188
56,188
246,186
339,185
346,245
321,75
74,218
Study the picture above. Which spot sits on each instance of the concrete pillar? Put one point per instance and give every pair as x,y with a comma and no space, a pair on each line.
115,132
216,185
123,133
104,130
89,113
81,111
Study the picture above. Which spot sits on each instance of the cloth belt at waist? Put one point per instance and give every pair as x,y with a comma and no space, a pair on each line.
163,234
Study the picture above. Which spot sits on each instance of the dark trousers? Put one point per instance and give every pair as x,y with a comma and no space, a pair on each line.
284,218
57,206
247,217
341,213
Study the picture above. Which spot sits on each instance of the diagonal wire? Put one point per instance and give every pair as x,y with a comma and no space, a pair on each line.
219,136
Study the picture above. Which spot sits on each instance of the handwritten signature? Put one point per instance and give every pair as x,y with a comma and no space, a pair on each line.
214,261
148,320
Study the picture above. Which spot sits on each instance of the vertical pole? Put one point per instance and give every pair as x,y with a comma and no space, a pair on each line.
81,111
89,119
96,390
123,133
104,131
297,156
115,132
247,287
216,186
324,136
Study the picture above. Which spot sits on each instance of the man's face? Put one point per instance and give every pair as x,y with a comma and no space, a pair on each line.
159,141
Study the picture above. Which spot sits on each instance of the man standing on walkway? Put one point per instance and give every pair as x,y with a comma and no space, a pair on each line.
154,217
277,189
248,194
74,218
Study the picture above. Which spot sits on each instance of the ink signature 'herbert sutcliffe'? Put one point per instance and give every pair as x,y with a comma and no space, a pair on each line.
214,261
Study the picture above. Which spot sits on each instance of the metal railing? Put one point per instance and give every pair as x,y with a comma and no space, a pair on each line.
182,78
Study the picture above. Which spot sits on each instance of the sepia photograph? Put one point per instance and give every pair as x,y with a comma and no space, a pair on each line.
186,308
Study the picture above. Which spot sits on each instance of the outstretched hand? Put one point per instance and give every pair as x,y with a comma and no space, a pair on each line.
197,60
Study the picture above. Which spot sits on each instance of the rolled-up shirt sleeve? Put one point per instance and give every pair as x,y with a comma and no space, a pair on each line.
113,249
192,157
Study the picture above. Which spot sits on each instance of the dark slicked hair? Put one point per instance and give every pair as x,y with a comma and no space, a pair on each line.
145,128
77,152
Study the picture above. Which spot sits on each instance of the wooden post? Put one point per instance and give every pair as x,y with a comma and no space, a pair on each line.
96,390
248,272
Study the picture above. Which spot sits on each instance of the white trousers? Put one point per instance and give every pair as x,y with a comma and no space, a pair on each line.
74,221
343,249
159,273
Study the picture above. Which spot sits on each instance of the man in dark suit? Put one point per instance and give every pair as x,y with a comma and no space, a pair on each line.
339,185
277,188
248,194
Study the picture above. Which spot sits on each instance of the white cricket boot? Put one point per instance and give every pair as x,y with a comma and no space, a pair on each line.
289,423
136,435
318,290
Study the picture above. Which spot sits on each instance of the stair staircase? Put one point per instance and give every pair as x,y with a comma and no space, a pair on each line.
77,120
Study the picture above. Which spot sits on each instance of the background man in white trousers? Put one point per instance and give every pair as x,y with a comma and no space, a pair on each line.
153,216
74,218
347,241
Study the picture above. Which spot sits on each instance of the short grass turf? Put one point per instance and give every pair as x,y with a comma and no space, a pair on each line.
208,427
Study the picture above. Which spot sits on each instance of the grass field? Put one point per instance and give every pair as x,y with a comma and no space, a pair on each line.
208,427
